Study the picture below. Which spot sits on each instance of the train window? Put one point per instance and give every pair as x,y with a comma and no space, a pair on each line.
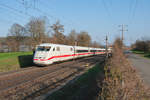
58,48
78,51
47,48
99,50
92,50
53,49
43,48
40,48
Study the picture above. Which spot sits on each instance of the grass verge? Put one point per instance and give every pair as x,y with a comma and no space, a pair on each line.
84,88
15,60
147,54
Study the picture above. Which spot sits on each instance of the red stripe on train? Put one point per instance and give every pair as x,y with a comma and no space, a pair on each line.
69,55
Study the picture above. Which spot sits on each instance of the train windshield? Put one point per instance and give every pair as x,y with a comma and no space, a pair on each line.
43,48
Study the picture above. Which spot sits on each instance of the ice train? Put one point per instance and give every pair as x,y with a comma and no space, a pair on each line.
48,53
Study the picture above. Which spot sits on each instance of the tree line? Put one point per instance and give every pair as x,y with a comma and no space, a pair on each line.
142,45
36,31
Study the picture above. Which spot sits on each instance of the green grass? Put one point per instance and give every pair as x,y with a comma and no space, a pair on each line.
15,60
138,52
144,54
147,55
81,87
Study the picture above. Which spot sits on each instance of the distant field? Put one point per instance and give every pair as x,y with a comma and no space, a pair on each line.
147,55
15,60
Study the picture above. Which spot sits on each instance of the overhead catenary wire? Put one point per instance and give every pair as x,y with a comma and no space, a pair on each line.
11,13
106,8
42,12
33,6
68,21
132,10
20,12
39,10
14,11
135,7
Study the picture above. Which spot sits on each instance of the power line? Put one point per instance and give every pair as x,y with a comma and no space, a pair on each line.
135,7
14,9
38,10
44,13
10,16
106,8
132,10
69,22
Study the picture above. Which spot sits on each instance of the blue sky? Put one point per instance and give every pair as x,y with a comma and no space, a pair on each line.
98,17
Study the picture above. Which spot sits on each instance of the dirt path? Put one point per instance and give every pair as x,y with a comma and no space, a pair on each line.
142,64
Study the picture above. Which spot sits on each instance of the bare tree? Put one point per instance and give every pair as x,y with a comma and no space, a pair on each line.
72,37
119,43
58,36
12,45
141,45
17,35
36,29
84,39
95,44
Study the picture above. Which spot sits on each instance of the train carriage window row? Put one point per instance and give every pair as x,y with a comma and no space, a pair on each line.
92,50
79,51
97,50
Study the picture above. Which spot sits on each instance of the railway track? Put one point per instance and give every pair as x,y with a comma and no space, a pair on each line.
29,83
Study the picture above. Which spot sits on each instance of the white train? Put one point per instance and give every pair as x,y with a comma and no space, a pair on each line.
48,53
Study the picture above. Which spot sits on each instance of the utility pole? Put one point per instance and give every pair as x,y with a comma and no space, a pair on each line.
122,31
106,46
75,44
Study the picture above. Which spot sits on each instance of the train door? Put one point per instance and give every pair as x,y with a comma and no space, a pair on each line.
74,52
58,53
55,54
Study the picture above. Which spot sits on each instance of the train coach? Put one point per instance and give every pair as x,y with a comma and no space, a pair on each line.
48,53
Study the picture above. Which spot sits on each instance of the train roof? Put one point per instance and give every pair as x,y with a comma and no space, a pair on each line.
51,44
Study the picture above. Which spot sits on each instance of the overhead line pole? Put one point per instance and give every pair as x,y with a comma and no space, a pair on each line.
106,46
122,31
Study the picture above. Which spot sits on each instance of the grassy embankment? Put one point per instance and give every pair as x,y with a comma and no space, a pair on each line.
15,60
144,54
84,88
122,81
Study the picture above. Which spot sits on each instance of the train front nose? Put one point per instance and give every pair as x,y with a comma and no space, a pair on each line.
40,62
40,58
41,55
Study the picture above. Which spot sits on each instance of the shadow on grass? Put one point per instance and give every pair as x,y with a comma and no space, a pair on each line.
84,88
25,61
